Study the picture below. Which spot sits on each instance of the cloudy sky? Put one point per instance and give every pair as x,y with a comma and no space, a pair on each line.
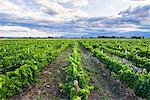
42,18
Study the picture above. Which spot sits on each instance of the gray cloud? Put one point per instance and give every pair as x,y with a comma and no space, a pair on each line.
52,19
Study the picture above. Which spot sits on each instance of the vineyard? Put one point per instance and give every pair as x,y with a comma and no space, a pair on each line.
75,69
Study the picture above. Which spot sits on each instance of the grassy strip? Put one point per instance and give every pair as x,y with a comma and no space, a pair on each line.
76,84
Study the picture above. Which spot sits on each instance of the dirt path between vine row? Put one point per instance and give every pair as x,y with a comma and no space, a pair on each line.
124,60
106,86
48,81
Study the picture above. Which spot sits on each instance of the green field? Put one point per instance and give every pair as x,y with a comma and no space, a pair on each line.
75,69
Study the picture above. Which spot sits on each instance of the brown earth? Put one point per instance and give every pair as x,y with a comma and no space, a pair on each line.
106,86
46,87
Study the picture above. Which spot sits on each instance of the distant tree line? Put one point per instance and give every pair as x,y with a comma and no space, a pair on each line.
109,37
137,37
133,37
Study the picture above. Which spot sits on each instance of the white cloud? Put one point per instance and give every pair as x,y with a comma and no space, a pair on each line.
80,3
77,3
18,31
56,17
62,13
11,28
126,28
45,11
106,8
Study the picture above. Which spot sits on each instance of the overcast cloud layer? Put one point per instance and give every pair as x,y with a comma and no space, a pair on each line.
69,18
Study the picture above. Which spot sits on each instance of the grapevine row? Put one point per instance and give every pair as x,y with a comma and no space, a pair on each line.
15,54
76,84
141,62
13,82
139,82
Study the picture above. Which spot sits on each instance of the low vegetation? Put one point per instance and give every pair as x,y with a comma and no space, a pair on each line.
22,61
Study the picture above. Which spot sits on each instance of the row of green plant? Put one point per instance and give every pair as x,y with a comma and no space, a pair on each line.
141,62
137,47
138,81
15,53
138,61
16,81
76,84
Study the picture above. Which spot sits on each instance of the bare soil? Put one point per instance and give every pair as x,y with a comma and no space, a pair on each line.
125,61
106,86
46,87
